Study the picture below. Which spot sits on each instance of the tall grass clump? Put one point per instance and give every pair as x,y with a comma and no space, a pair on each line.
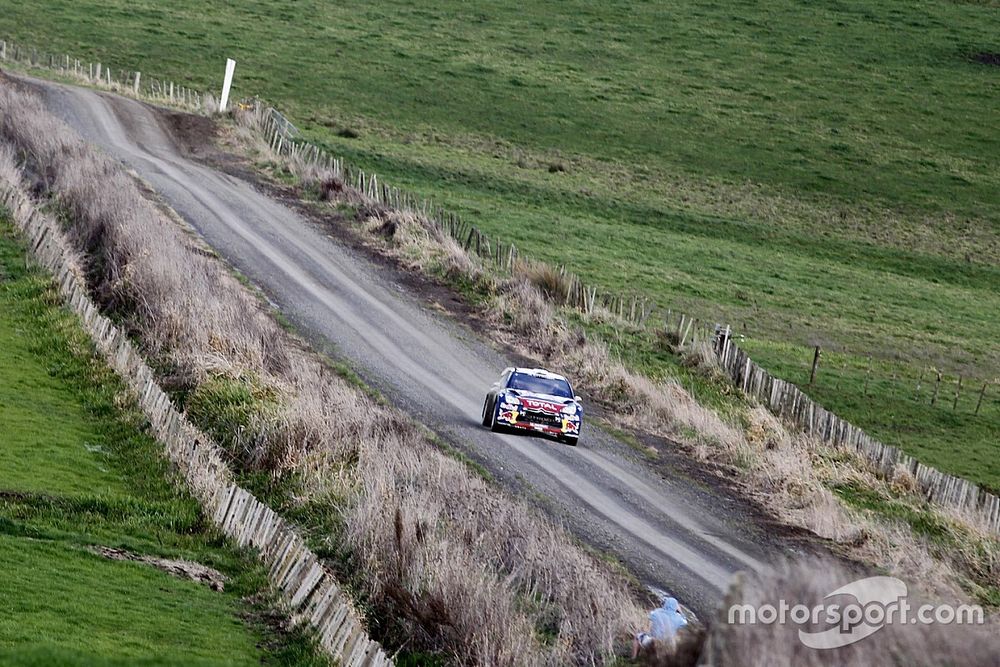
444,558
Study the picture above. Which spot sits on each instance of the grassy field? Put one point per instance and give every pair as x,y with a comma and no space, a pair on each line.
79,472
813,174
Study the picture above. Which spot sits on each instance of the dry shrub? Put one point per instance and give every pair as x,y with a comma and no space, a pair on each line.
667,339
764,430
427,248
808,582
330,187
903,482
552,282
459,565
701,357
521,308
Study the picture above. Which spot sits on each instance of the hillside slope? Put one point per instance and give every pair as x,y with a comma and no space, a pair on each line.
811,175
80,475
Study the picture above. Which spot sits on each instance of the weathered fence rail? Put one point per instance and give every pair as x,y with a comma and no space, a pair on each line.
783,398
306,588
790,403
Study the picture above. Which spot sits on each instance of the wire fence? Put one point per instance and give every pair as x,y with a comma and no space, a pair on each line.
790,403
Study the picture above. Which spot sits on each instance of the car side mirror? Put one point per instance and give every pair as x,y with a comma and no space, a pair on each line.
577,399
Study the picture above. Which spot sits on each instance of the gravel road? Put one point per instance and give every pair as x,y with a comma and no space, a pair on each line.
670,531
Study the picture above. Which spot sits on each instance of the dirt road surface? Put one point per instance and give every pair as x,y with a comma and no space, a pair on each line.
670,531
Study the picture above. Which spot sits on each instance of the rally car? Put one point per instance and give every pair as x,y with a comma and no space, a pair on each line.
534,399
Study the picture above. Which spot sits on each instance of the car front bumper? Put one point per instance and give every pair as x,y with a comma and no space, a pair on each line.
564,426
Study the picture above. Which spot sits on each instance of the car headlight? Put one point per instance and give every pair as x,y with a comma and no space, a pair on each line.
570,409
508,402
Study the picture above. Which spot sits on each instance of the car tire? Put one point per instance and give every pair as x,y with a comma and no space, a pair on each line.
494,424
570,441
487,415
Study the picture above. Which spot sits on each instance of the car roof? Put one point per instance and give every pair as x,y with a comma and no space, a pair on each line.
538,372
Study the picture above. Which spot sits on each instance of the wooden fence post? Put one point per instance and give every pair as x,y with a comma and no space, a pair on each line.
920,381
812,373
135,84
958,390
690,323
868,374
937,386
980,401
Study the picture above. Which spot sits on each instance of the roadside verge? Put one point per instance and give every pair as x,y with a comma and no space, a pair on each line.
310,592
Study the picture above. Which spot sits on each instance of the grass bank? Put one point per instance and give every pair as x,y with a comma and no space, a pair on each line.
81,472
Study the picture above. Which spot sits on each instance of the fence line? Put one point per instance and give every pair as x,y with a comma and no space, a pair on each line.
782,397
306,588
125,82
789,402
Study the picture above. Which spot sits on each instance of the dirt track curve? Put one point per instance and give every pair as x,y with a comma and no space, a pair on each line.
671,532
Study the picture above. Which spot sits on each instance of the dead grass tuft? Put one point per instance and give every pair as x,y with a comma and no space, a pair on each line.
552,282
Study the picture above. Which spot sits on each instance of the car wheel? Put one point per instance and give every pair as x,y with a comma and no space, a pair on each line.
570,441
487,415
494,424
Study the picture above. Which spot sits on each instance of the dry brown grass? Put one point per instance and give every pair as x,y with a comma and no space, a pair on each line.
789,474
552,282
463,567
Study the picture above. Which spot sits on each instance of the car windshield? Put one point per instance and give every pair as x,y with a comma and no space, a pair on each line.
550,386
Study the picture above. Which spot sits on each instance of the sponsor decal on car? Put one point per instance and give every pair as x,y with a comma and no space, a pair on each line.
544,406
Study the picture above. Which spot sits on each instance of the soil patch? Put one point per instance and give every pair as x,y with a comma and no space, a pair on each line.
195,135
184,569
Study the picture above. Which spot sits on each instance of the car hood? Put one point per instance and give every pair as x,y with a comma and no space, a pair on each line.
541,402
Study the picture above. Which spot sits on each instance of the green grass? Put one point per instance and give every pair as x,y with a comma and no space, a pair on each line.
80,470
820,173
